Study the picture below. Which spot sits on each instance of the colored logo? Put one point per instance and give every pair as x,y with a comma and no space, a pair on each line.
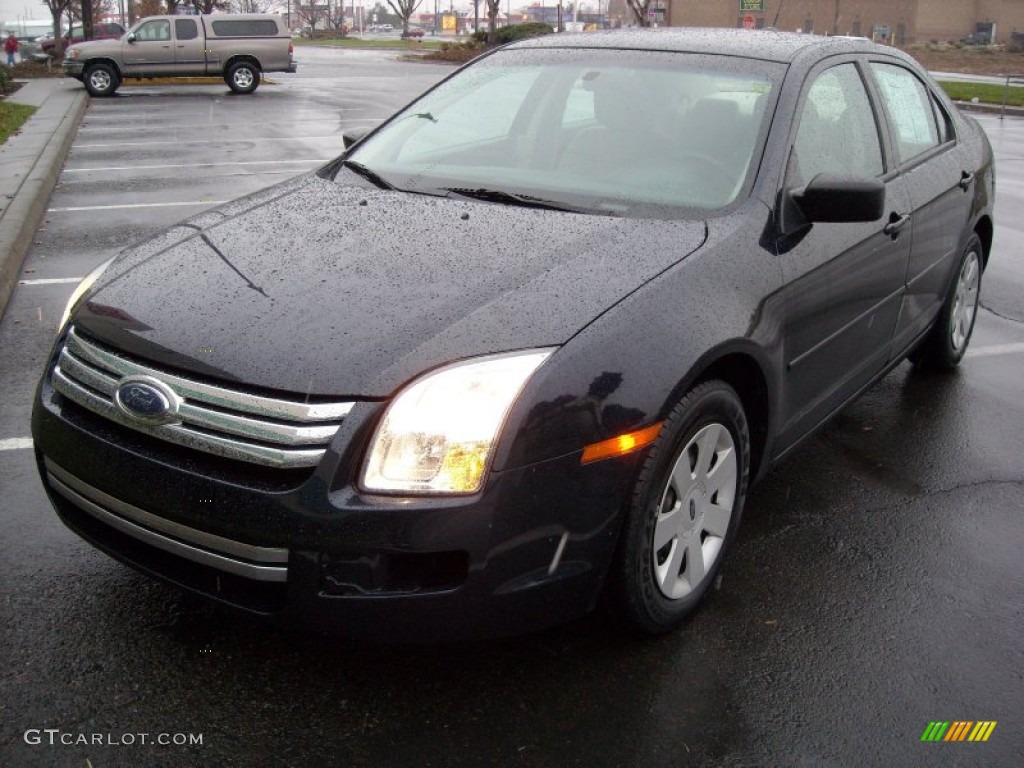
958,730
146,400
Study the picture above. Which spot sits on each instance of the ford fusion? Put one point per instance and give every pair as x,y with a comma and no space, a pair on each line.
524,347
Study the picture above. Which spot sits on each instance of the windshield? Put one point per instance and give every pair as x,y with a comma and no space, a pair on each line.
629,133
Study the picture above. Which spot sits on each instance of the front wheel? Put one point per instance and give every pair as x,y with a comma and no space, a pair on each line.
685,510
101,80
945,345
242,77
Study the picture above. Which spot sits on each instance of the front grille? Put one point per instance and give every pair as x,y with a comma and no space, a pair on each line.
263,430
248,560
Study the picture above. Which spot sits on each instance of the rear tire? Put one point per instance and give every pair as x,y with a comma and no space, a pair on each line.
946,343
101,80
243,77
686,508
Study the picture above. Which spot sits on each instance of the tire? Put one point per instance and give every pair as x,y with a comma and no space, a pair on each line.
946,343
101,80
243,77
686,505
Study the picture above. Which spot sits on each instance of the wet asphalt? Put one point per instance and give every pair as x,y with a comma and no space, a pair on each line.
876,584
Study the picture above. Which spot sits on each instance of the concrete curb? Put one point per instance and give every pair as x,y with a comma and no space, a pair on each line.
989,109
30,164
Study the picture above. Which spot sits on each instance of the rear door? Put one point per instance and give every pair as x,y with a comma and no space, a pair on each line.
189,47
937,171
844,281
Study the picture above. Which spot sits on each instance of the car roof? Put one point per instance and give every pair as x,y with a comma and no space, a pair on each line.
766,44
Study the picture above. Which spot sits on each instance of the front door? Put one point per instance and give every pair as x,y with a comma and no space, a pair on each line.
189,47
844,281
151,53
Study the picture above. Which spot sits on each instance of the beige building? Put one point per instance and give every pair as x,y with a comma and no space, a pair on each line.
899,21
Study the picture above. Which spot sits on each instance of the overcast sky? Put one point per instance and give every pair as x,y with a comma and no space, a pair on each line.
12,10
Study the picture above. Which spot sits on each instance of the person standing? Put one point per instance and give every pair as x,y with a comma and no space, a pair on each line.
10,48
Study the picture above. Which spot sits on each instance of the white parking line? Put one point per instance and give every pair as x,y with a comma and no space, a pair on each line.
132,205
333,137
50,281
21,443
195,165
15,443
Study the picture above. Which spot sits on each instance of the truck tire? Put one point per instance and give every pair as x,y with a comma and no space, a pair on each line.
101,80
242,77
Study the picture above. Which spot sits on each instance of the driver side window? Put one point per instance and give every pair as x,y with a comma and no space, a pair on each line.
838,132
154,30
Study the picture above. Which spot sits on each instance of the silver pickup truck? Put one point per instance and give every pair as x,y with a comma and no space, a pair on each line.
238,47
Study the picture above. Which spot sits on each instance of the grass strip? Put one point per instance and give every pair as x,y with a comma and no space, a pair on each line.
12,117
986,93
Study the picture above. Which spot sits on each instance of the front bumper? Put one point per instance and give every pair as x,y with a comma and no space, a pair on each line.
529,551
74,68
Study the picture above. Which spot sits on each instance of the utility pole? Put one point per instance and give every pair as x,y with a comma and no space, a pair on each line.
835,21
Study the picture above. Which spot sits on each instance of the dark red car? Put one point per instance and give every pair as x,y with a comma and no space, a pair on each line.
413,32
106,31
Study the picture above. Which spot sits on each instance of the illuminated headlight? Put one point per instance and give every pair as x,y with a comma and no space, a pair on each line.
438,434
80,291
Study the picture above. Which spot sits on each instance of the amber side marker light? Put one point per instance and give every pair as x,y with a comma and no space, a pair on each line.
621,445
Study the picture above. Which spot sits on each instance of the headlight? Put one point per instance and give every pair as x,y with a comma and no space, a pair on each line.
80,291
438,434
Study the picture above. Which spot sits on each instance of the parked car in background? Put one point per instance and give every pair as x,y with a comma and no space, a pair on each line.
610,280
413,32
238,47
104,31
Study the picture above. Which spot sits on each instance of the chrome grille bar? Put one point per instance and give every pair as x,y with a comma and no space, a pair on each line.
238,425
259,563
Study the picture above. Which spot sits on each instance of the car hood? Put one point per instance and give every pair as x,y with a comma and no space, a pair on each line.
318,288
110,45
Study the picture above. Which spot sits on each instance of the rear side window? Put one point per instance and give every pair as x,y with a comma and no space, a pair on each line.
838,132
186,29
245,28
910,109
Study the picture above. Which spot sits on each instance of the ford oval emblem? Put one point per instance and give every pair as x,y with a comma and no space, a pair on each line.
147,400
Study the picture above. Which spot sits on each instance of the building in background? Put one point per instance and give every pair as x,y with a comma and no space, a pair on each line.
893,21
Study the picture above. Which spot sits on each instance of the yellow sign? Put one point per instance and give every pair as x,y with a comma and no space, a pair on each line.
449,22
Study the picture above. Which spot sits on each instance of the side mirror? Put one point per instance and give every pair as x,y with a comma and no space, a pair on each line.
131,37
833,197
348,138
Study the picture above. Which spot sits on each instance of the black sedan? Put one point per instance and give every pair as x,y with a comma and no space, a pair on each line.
525,346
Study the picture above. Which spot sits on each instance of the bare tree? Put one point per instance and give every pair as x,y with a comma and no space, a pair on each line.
145,8
209,6
310,15
639,9
57,9
251,6
493,8
404,10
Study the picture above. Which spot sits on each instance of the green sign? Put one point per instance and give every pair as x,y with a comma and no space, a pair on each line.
751,5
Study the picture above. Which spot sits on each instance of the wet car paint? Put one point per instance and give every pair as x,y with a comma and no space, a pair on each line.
612,374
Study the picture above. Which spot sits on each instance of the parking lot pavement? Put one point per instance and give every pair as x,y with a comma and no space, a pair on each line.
874,587
29,164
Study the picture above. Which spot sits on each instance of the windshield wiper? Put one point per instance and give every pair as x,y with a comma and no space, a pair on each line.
370,175
509,198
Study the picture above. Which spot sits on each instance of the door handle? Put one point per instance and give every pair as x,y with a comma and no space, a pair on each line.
897,221
965,180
